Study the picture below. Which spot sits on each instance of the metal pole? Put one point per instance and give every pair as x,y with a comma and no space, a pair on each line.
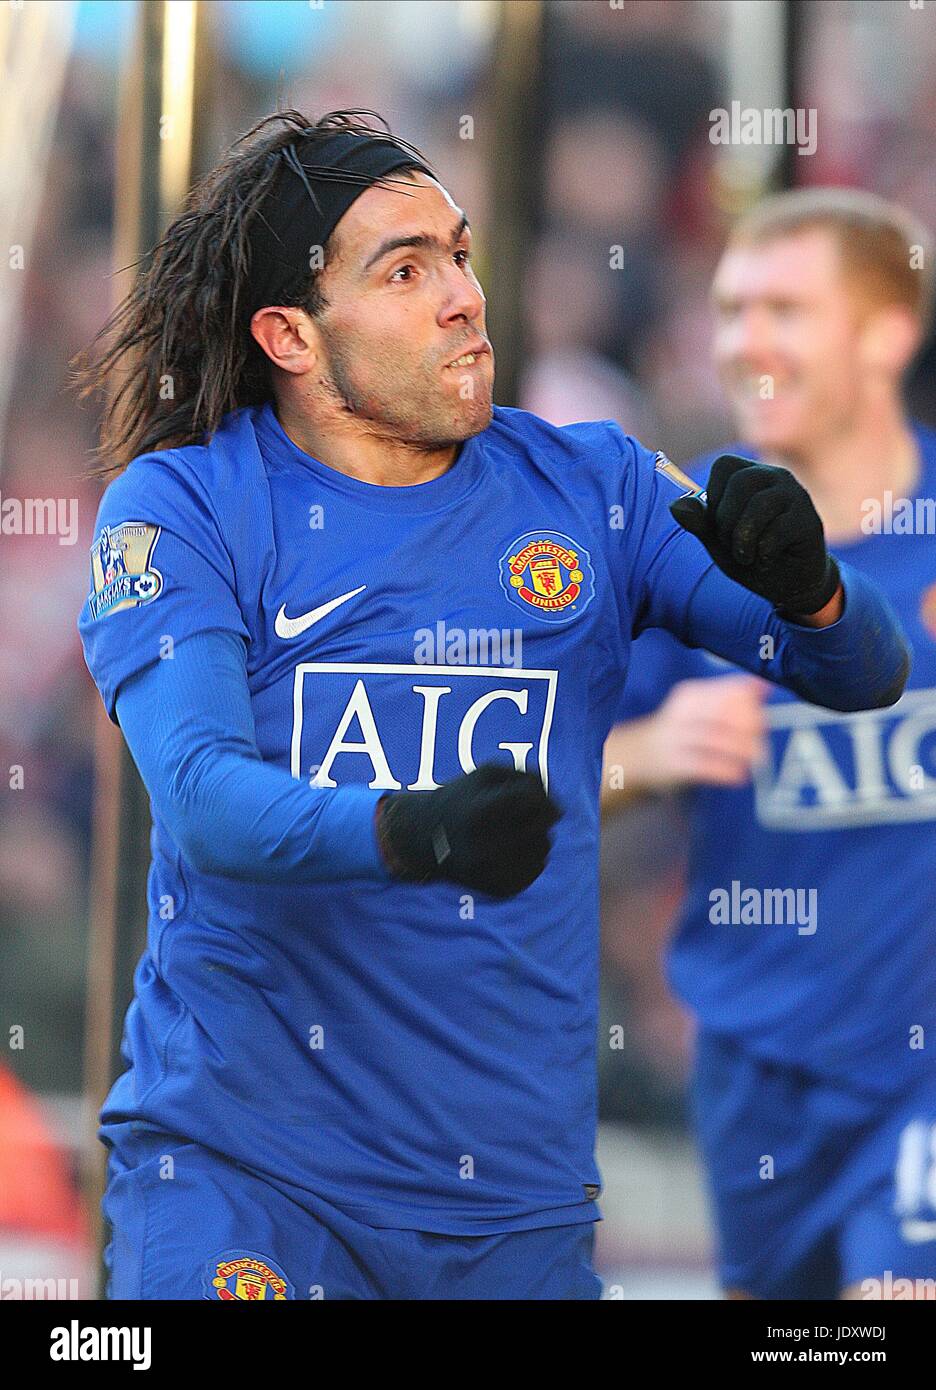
35,44
794,22
514,157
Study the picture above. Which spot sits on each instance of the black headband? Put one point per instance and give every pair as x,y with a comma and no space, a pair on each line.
320,181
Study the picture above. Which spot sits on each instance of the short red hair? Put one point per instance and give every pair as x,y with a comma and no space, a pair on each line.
885,250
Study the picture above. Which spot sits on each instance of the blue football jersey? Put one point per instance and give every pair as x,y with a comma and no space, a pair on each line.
420,1056
842,812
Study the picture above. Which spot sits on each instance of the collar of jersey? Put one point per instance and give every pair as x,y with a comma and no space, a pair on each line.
448,488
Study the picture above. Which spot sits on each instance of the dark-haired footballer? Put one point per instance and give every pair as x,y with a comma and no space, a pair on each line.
364,1028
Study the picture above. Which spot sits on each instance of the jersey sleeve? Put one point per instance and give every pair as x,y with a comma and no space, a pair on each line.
662,564
859,662
160,572
189,726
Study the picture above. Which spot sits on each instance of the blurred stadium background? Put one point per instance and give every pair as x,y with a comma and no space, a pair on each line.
501,97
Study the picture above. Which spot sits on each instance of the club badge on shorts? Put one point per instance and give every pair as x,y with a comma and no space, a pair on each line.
240,1276
122,574
548,575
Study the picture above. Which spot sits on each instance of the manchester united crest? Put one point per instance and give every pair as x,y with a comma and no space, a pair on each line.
239,1276
549,575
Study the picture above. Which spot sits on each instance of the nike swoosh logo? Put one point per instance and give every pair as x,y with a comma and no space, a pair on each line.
293,627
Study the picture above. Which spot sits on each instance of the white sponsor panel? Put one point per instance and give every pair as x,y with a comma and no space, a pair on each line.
829,771
490,709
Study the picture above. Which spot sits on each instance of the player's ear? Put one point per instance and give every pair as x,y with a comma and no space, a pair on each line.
288,336
890,337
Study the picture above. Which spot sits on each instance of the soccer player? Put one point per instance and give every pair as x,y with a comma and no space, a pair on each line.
814,1083
365,640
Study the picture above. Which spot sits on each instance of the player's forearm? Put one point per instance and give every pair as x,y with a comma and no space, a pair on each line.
627,773
247,820
189,726
858,662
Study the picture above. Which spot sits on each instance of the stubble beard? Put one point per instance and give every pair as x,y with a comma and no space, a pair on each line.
410,418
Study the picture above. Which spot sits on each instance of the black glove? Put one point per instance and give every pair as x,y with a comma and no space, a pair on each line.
488,831
762,530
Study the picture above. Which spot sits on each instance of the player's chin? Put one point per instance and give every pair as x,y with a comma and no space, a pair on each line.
472,416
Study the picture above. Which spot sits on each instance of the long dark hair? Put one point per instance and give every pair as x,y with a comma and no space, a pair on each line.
183,322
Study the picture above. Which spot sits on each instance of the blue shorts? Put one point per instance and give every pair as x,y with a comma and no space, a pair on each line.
187,1223
814,1188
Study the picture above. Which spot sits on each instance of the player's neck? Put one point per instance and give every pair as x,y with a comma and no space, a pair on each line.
363,452
842,472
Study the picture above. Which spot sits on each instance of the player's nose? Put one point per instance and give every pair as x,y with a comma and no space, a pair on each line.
463,301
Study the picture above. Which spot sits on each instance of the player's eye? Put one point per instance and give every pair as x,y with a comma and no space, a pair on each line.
399,270
463,251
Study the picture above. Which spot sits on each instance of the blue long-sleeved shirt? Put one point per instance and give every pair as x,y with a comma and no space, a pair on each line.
332,640
189,725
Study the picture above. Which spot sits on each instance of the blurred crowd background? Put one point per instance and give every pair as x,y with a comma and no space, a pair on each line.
626,96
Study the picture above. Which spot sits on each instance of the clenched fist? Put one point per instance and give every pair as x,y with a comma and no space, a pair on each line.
762,530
